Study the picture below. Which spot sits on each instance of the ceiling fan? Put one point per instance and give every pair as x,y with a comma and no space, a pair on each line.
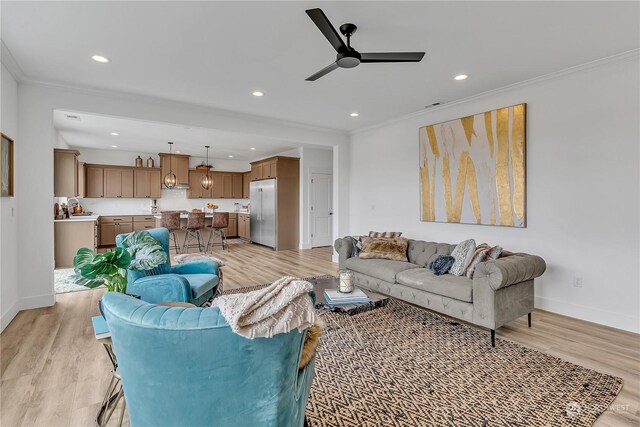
347,56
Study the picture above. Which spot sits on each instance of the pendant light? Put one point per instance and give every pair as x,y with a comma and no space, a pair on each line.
207,180
170,179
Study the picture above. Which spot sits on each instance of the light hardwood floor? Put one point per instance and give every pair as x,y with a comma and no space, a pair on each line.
54,373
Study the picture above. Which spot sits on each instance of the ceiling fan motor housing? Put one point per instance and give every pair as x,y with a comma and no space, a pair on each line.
348,59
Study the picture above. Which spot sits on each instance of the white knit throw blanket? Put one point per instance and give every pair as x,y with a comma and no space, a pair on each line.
275,309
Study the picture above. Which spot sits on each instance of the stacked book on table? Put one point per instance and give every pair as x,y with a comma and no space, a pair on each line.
334,297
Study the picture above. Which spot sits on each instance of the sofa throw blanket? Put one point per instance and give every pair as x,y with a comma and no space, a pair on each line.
276,309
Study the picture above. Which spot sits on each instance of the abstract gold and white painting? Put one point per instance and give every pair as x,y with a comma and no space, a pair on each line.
473,169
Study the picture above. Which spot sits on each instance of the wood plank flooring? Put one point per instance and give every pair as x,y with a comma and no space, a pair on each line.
54,373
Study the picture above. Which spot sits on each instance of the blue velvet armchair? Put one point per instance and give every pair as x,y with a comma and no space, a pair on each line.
186,367
193,282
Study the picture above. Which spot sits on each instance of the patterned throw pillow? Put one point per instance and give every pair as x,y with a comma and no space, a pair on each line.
385,234
462,254
394,249
441,264
483,252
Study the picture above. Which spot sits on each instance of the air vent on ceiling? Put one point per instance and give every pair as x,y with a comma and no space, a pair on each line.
72,117
435,104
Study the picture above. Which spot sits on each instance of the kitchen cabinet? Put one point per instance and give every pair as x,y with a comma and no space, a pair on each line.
81,180
246,180
71,235
268,168
232,230
111,226
244,230
218,186
118,182
146,182
143,222
65,173
179,166
196,191
237,186
94,185
227,181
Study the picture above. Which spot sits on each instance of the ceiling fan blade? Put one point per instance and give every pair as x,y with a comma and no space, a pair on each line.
325,70
392,57
322,22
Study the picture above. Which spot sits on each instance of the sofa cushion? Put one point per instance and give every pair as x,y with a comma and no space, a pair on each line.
421,253
456,287
383,269
201,283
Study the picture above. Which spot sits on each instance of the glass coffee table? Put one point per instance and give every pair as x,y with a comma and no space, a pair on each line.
321,284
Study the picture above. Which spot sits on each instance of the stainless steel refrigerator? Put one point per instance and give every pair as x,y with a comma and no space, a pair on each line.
263,212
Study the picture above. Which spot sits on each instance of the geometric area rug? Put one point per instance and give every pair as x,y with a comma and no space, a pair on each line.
400,365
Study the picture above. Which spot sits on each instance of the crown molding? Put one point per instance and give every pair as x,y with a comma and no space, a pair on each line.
116,94
620,57
10,62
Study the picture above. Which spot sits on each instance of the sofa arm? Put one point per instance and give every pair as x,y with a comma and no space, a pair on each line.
196,267
509,270
344,247
161,288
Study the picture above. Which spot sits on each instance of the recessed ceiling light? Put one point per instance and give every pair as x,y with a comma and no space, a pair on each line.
354,114
257,93
114,146
230,156
115,133
460,77
253,148
99,58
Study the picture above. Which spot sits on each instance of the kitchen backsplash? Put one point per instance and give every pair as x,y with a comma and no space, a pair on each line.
170,200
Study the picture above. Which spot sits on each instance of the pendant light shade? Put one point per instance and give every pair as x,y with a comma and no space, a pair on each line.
170,180
207,179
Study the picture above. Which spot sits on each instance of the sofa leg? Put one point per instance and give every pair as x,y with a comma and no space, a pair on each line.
493,338
529,319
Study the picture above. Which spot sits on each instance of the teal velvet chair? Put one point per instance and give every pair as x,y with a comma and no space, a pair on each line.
186,367
193,282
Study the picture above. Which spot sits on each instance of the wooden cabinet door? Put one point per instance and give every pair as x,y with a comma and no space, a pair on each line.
259,171
228,186
195,188
233,225
95,182
124,227
141,183
143,225
218,185
237,186
112,182
270,169
81,180
181,169
127,183
107,234
65,173
246,180
155,182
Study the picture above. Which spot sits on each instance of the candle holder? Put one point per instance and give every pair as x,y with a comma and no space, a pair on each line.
346,281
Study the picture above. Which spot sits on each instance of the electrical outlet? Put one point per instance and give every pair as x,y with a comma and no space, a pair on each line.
577,282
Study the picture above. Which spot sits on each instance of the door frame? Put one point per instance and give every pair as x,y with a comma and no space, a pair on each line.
311,219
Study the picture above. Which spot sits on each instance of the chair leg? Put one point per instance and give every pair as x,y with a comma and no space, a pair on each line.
199,241
172,235
223,237
529,319
493,338
211,234
185,245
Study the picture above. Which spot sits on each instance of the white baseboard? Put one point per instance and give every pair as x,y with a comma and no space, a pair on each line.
7,317
46,300
590,314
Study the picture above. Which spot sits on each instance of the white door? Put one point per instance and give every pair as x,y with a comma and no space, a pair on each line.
321,210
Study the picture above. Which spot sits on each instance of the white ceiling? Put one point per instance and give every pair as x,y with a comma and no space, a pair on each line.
217,53
94,131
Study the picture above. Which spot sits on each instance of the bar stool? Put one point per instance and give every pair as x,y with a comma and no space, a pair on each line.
195,223
220,222
171,221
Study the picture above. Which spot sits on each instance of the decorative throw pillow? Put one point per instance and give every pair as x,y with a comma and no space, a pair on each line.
182,258
385,234
483,252
462,253
394,249
441,264
357,245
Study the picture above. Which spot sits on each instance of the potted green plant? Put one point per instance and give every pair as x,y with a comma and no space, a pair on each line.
138,251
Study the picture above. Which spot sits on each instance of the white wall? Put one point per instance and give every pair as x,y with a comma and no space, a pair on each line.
583,214
312,160
38,137
9,295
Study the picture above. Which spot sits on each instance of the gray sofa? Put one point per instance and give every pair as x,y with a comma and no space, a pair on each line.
500,291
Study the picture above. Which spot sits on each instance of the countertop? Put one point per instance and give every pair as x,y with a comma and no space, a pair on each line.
83,218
